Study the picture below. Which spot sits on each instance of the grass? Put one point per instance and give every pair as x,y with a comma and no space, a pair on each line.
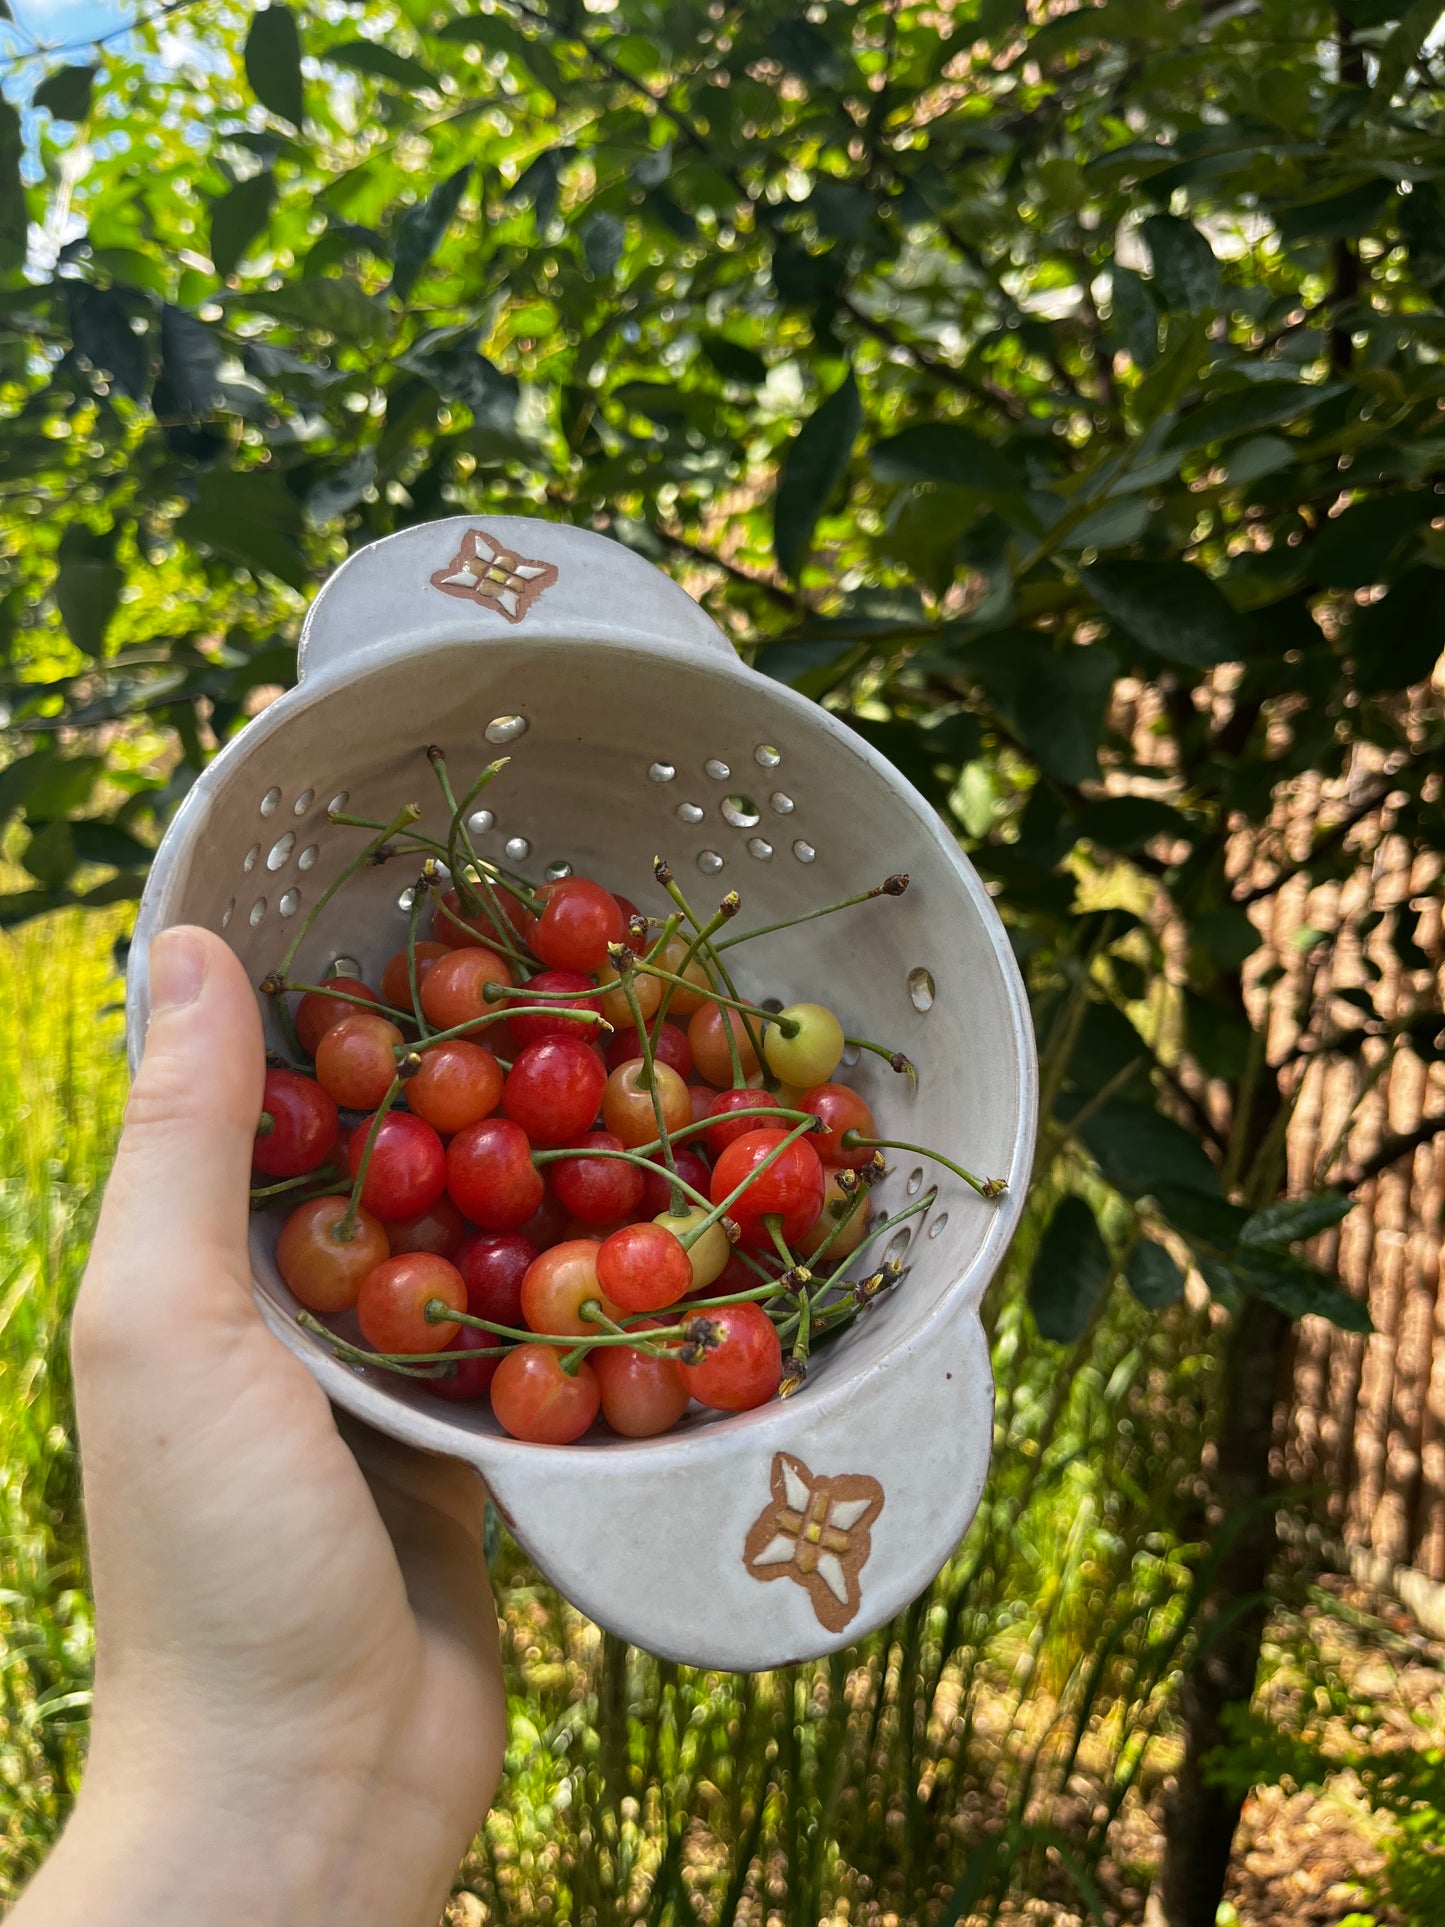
1002,1739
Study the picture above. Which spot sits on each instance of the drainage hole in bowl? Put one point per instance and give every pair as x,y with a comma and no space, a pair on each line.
915,1181
760,847
851,1054
518,848
308,856
406,899
248,861
344,967
921,990
270,800
897,1244
691,812
558,870
938,1224
717,769
662,772
741,811
804,852
506,729
766,757
280,850
709,862
781,803
290,903
228,913
258,910
480,821
338,802
303,802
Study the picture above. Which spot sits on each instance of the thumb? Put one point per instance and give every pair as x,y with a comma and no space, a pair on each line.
171,1244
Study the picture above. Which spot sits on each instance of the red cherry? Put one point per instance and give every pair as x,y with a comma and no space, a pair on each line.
746,1368
391,1309
641,1396
324,1272
702,1098
580,920
396,983
629,1111
316,1013
790,1188
555,1023
440,1229
558,1284
534,1399
597,1190
644,1267
356,1060
455,927
708,1038
656,1191
455,990
303,1127
493,1265
729,1130
669,1046
458,1083
408,1168
841,1110
491,1176
548,1223
554,1088
473,1376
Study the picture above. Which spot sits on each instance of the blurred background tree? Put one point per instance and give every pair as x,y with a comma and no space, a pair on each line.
1053,391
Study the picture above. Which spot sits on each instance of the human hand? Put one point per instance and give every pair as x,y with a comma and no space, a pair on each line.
299,1710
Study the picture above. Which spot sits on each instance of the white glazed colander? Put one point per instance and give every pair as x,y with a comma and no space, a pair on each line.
733,1542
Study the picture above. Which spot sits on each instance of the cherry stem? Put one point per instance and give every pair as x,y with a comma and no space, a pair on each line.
413,921
457,832
327,1179
881,1230
405,816
789,1026
489,939
719,1211
713,964
438,1312
346,1224
841,1220
637,1158
774,1226
647,1081
499,1017
894,1059
985,1187
893,886
287,985
726,910
425,1365
594,1314
767,1113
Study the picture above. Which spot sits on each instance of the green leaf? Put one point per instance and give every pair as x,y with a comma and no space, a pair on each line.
273,63
46,784
341,489
1153,1276
1134,316
1053,695
1239,411
1069,1275
14,216
1291,1220
1138,1149
813,470
375,58
86,593
251,516
1336,217
49,855
101,327
1299,1289
237,218
66,92
1171,607
332,303
944,452
733,361
421,230
190,365
1356,547
1186,274
459,373
1127,823
807,52
603,238
1107,1044
1395,642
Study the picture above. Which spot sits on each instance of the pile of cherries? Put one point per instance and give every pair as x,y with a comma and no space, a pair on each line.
554,1160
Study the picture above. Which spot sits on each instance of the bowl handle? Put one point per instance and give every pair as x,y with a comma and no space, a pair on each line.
487,576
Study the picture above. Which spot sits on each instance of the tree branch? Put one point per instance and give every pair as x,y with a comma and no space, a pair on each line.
1397,1145
985,391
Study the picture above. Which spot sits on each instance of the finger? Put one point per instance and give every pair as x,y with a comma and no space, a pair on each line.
172,1237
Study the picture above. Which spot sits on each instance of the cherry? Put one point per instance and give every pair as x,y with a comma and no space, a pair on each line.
395,981
791,1188
457,928
597,1190
491,1176
439,1229
535,1400
738,1275
356,1060
554,1088
558,1284
836,1205
408,1168
627,1110
548,1223
617,1009
643,1267
728,1130
841,1110
708,1254
325,1272
813,1053
708,1038
638,945
493,1264
669,1046
746,1368
702,1096
316,1013
527,1029
656,1190
458,1083
391,1309
580,920
303,1126
641,1396
684,1001
473,1376
455,988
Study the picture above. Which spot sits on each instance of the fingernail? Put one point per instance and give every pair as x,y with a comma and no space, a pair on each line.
177,970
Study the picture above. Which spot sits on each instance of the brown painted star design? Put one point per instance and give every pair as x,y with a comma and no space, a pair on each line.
816,1531
483,571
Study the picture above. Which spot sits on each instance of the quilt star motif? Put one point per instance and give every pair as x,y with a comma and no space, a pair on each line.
816,1531
483,571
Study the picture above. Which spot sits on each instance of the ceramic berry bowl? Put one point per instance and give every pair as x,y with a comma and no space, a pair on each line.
732,1541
